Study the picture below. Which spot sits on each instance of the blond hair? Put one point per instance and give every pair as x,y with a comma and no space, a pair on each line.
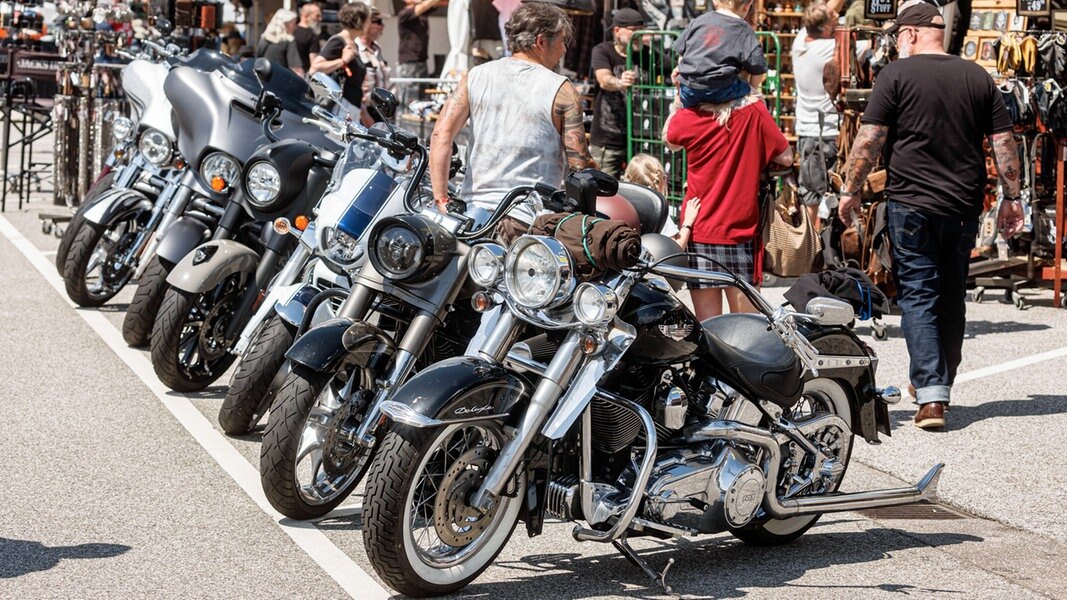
276,30
644,169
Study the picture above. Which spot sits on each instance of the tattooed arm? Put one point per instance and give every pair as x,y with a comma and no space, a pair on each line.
567,116
861,160
1006,157
452,119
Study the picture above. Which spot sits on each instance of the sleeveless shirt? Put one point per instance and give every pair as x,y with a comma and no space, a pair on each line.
513,140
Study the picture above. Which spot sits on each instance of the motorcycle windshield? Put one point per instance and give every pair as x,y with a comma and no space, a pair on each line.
360,154
367,203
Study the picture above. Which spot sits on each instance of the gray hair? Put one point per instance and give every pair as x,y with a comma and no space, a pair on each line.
533,19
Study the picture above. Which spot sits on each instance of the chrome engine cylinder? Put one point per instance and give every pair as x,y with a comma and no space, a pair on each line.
708,489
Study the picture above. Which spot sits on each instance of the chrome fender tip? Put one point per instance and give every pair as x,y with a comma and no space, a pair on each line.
889,394
927,486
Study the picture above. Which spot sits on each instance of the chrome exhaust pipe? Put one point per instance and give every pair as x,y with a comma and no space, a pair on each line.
783,508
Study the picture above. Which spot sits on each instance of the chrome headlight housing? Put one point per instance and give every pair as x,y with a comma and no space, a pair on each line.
341,247
485,265
263,184
155,147
410,248
220,168
122,128
595,304
539,272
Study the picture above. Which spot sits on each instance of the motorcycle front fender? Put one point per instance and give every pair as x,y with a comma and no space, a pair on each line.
435,396
321,348
116,205
212,262
297,297
181,238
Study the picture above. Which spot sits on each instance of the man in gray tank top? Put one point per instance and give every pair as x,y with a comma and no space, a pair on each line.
525,119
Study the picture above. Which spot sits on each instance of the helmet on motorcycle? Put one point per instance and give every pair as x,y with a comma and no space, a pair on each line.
661,246
619,209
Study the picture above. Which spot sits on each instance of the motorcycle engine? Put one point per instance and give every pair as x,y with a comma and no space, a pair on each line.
708,489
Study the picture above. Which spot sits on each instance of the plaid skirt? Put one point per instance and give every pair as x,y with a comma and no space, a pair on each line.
739,259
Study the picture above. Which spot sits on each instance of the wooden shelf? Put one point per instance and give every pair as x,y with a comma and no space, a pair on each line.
774,13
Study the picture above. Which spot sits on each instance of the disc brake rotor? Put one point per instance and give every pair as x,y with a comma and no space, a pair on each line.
340,452
456,522
213,343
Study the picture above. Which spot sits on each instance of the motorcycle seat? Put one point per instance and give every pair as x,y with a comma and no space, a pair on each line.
650,206
753,359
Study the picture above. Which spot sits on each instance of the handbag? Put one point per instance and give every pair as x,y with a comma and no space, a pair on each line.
790,242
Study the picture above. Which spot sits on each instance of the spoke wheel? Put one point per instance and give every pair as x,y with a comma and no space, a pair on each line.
189,349
94,271
821,396
309,460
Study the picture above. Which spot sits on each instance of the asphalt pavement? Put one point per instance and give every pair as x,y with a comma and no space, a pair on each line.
115,487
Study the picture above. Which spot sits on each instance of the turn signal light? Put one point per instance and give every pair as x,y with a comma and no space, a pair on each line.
589,344
481,302
301,222
180,163
281,226
218,183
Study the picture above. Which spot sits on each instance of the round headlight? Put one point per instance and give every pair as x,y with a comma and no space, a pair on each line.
155,147
538,273
340,247
595,304
122,128
485,265
397,252
219,169
263,183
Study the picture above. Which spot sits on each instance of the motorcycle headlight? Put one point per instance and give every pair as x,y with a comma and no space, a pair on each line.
340,247
538,273
595,304
485,265
155,147
122,128
410,248
263,183
220,171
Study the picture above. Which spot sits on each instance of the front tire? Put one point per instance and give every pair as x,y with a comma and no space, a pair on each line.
821,395
420,535
78,220
89,275
142,311
306,467
251,391
188,351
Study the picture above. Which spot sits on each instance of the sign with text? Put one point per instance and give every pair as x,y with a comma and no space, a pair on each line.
1034,8
882,10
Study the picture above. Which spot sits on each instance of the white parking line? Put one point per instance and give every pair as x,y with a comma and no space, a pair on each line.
1012,364
333,561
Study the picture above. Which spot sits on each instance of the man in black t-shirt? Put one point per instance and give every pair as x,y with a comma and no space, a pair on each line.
413,27
931,113
307,34
608,68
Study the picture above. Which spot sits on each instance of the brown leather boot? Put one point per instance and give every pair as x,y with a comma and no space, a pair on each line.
930,416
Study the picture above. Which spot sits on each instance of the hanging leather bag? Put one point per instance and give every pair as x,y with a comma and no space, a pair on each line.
789,238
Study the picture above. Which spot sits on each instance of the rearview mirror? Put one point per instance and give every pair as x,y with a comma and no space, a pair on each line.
382,102
263,70
324,87
830,311
606,185
164,26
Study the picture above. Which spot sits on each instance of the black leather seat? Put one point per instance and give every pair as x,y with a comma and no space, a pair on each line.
753,359
651,207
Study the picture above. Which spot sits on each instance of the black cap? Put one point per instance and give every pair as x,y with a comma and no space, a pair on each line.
627,17
918,15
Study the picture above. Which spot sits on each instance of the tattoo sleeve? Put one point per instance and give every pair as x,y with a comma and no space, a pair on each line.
567,110
1006,157
866,150
452,119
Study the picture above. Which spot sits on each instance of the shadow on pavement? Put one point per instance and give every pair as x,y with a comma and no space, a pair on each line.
977,328
19,557
961,417
717,568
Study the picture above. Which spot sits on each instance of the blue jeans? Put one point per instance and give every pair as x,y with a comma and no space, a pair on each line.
691,97
931,257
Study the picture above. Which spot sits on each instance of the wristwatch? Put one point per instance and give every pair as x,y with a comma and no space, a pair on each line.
689,227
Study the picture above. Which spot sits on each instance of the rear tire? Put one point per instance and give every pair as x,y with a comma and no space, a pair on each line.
142,311
831,397
251,394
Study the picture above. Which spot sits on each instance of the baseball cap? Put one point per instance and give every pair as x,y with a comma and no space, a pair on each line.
918,15
627,17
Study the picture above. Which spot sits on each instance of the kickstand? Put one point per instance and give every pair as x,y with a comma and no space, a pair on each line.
661,578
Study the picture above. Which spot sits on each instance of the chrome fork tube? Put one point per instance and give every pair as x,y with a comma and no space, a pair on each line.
136,250
174,210
559,373
357,303
411,346
502,338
